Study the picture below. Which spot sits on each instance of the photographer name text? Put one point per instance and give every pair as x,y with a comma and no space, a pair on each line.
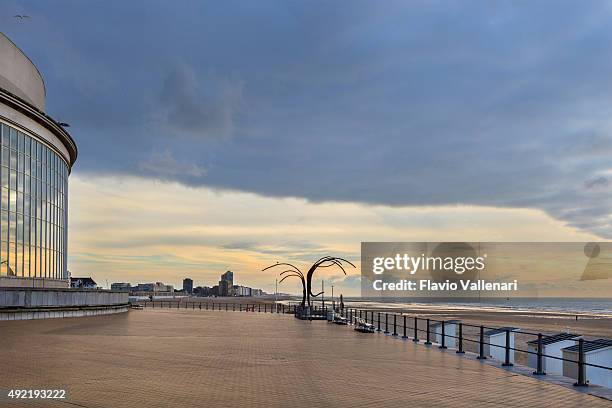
431,285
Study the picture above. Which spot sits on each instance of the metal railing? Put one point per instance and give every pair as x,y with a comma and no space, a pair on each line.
383,318
219,306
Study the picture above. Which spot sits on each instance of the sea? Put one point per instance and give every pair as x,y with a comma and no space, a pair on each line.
600,307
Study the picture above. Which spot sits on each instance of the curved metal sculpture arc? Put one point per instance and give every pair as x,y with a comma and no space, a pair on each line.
301,276
325,262
294,272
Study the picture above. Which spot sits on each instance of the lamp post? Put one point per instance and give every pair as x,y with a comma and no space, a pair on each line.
322,294
275,293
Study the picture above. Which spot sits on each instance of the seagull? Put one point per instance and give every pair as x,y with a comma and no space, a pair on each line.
63,124
21,16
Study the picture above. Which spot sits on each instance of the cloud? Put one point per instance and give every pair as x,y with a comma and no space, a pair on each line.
598,182
165,165
199,106
420,104
137,229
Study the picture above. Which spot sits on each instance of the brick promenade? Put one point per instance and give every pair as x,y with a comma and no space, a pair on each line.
185,358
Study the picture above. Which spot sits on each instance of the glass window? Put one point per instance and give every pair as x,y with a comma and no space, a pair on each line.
21,141
26,165
12,229
13,180
11,259
5,135
5,199
33,189
20,182
13,137
12,200
19,207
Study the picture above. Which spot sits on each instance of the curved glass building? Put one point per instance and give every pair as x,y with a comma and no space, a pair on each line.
36,157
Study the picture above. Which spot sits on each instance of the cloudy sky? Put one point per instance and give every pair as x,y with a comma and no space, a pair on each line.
229,135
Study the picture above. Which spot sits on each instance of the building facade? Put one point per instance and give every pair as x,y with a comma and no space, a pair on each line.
157,288
226,284
188,285
242,290
83,283
121,286
35,161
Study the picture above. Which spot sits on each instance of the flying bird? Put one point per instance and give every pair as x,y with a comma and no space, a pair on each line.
63,124
21,16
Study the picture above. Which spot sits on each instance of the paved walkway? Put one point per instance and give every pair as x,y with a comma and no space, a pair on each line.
190,358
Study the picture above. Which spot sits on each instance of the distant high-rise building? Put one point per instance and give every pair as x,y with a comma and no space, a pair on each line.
240,290
188,285
121,286
153,288
226,284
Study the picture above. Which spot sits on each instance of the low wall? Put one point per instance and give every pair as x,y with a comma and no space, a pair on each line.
18,282
42,313
41,303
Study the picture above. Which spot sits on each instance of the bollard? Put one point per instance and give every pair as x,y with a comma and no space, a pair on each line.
427,342
259,307
378,322
386,323
265,307
360,313
200,306
443,345
394,324
416,330
481,355
404,336
539,370
460,348
581,368
507,362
